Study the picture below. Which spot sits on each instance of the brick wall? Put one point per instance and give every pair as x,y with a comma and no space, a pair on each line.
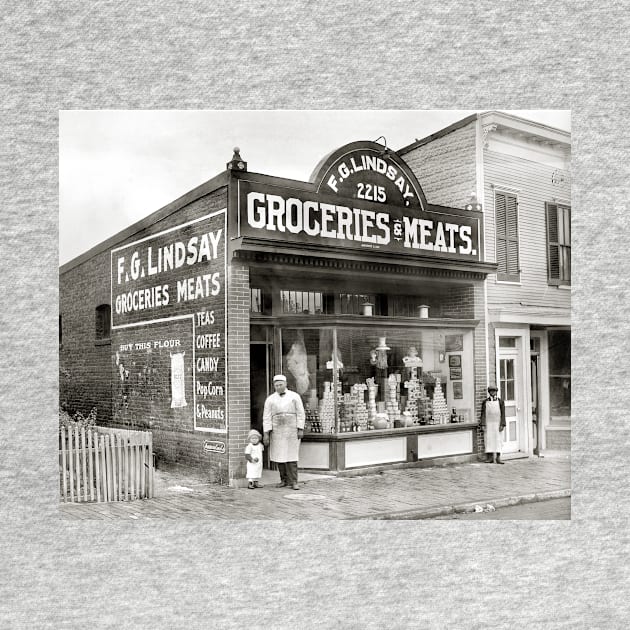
238,362
467,301
140,397
446,167
84,361
459,302
481,359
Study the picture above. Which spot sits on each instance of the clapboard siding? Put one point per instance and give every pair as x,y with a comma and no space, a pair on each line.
532,184
446,167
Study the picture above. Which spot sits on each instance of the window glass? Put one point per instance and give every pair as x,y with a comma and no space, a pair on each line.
255,304
506,378
360,379
103,321
351,304
560,375
302,302
507,342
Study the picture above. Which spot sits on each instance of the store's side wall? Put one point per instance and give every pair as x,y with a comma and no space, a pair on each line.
446,166
135,400
84,359
238,367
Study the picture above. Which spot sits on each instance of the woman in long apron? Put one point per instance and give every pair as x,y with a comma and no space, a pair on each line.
493,424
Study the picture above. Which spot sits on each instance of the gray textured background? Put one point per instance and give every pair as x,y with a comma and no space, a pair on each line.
266,55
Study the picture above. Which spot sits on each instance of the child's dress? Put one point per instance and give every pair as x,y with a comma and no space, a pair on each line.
254,469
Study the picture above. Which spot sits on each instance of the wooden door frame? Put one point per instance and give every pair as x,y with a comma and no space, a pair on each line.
522,374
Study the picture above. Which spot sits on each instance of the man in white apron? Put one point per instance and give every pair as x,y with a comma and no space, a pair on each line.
283,428
493,424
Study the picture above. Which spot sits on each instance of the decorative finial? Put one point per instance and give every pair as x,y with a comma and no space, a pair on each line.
237,163
473,204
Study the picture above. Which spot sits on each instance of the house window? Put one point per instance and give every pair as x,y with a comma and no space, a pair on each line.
506,211
559,243
103,322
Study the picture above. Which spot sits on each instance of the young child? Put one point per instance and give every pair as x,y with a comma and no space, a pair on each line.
253,455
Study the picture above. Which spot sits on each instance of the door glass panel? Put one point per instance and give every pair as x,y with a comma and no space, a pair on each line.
512,431
507,378
507,342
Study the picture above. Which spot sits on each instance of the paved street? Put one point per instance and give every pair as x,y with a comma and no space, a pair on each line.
551,510
409,493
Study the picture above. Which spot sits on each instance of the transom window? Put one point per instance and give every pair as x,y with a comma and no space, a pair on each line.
302,302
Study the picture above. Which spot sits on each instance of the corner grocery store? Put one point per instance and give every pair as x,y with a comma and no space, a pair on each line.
369,299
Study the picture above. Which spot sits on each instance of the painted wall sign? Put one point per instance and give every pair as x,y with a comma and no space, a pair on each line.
175,281
301,217
211,446
369,171
166,274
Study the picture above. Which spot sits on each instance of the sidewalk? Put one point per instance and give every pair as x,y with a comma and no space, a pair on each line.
411,493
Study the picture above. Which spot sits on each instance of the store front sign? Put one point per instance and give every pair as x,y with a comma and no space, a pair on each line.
279,213
369,171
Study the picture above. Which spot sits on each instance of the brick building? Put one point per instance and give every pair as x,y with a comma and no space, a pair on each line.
367,296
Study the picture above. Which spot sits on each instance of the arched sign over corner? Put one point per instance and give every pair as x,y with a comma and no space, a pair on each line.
361,197
369,171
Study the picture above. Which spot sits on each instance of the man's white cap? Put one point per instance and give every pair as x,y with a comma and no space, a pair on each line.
279,377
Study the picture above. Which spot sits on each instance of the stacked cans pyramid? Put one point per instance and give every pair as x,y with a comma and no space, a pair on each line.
360,408
391,398
327,409
440,408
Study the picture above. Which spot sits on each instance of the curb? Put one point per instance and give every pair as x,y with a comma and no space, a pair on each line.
463,508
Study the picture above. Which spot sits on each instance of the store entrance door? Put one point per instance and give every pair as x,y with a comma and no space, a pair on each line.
260,362
511,381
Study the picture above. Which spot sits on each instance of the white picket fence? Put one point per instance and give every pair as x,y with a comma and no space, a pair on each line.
105,464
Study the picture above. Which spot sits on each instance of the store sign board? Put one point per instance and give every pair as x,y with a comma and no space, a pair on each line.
168,297
169,273
279,213
368,171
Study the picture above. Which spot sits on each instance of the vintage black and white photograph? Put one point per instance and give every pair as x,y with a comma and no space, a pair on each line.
315,314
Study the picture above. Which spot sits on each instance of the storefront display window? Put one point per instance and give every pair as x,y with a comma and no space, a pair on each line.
355,378
560,375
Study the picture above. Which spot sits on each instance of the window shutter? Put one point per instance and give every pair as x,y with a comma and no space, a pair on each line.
512,236
506,212
552,242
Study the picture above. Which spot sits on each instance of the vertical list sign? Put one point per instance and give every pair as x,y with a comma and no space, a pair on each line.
210,382
210,371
